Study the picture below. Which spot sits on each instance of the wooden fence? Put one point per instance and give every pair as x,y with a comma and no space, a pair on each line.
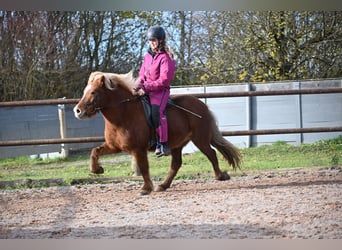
249,93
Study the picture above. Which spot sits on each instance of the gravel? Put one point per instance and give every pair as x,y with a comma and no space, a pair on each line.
289,203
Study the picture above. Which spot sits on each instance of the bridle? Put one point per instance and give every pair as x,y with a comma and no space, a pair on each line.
89,104
97,109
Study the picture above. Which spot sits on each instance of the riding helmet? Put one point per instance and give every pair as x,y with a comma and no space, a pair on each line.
156,32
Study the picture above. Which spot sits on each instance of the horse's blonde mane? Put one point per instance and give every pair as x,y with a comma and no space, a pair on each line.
126,81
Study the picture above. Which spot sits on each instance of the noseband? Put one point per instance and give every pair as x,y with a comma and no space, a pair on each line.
89,104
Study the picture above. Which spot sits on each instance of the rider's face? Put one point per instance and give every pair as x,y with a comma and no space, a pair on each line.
153,43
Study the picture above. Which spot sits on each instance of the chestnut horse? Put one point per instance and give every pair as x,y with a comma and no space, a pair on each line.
127,130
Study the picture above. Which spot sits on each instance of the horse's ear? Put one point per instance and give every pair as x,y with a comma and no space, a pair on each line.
129,75
109,83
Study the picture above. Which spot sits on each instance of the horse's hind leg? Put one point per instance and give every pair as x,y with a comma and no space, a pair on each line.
176,163
94,157
211,155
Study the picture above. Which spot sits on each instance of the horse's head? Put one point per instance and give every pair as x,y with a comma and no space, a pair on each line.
95,94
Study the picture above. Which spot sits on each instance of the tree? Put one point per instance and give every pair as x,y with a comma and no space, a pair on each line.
50,54
293,45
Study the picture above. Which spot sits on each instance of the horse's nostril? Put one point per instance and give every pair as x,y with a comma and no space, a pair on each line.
78,111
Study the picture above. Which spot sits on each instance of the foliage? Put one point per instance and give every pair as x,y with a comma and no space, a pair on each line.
49,54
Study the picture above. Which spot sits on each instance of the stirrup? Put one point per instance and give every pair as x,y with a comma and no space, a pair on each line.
164,150
158,149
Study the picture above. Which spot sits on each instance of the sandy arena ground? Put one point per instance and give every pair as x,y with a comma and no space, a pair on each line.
291,203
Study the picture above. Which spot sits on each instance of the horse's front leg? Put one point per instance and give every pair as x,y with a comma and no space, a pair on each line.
176,163
96,153
142,161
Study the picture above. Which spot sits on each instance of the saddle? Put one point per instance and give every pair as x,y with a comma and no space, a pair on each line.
152,117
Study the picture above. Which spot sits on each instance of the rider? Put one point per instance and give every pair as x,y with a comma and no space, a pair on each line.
155,75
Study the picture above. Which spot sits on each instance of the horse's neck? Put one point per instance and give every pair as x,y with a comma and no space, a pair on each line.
121,110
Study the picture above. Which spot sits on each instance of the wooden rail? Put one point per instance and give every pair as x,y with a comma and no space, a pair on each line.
199,95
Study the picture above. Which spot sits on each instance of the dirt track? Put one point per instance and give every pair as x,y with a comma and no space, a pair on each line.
293,203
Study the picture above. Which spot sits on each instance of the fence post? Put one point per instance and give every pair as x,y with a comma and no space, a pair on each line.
249,115
62,129
299,106
135,167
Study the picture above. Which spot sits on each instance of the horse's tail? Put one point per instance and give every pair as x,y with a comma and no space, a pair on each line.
226,148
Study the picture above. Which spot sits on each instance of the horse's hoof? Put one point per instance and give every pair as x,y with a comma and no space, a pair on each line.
144,192
99,170
160,189
224,176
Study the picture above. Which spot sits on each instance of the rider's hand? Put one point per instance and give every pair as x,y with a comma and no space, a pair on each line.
138,91
141,92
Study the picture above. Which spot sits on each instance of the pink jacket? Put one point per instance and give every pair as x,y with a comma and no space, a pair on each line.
156,73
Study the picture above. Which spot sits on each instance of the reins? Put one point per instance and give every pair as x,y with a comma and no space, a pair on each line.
96,109
128,100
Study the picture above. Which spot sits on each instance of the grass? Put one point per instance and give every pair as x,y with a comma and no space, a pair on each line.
196,165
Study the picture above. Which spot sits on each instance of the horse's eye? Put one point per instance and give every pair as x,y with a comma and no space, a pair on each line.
93,93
